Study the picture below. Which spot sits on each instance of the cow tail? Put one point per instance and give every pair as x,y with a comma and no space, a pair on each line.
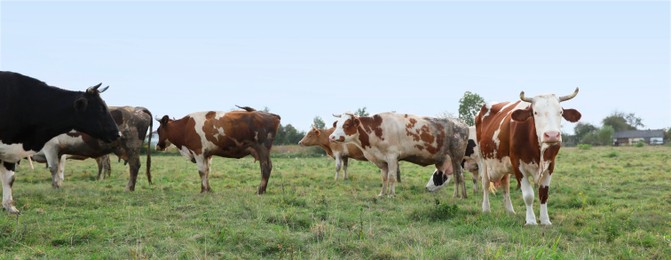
151,132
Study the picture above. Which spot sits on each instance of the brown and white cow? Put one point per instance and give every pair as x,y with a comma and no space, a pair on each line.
522,138
388,138
338,151
235,134
469,163
133,123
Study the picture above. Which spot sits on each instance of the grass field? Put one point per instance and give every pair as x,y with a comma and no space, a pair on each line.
604,203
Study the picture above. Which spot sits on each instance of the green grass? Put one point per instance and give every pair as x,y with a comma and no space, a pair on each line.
607,203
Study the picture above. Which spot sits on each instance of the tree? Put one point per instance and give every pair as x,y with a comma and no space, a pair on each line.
288,134
469,106
667,135
622,122
603,136
361,112
582,129
318,123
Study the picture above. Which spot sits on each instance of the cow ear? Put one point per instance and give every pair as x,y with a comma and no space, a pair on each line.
318,133
164,120
81,104
521,114
571,115
356,122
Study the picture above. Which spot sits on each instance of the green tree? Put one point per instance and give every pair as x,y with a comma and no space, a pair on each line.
318,122
582,129
603,136
469,106
622,122
361,112
667,135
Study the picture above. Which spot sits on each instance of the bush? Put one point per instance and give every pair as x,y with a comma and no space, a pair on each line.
640,144
584,146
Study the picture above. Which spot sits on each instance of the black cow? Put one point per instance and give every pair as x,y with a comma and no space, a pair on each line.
32,112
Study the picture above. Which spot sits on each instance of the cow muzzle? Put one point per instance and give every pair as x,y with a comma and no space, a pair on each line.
551,137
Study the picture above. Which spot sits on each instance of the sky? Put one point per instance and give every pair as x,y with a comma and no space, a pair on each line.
302,59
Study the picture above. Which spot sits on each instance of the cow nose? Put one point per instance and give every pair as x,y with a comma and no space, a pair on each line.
551,136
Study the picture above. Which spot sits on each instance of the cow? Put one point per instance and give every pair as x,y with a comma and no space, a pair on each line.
469,163
522,138
32,112
235,134
388,138
133,122
340,152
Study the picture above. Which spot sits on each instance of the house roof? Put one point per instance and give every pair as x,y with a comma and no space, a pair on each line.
639,134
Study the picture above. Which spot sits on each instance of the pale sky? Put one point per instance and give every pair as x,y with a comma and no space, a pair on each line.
303,59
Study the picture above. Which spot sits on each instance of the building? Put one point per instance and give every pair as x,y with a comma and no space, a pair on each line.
631,137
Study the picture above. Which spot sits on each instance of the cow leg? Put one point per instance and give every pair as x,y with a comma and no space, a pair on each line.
7,176
344,167
266,168
104,167
485,183
459,182
543,193
476,176
58,176
528,195
391,176
383,174
338,161
100,169
204,172
133,167
507,202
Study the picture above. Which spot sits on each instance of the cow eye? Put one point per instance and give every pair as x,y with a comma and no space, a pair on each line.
535,113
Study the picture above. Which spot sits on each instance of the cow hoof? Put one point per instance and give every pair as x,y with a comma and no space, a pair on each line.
548,224
11,209
530,224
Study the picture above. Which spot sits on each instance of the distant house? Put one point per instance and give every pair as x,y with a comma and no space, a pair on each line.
631,137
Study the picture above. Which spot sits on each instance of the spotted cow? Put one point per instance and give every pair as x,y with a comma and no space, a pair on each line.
469,163
388,138
522,138
338,151
32,112
133,123
235,134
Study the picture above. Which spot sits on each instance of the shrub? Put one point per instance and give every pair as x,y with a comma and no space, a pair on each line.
584,146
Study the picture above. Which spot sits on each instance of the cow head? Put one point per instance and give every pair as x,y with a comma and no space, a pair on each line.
547,113
162,131
437,181
345,128
311,138
93,117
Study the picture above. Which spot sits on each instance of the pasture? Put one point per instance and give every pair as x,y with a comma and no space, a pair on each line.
604,203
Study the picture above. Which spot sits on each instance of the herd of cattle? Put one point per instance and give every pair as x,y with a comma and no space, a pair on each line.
520,138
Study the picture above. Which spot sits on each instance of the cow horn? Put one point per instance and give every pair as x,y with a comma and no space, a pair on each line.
525,99
103,89
93,89
157,118
572,95
337,115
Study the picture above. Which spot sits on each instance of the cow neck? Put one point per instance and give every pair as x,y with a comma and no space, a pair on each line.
178,137
58,118
324,141
364,136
